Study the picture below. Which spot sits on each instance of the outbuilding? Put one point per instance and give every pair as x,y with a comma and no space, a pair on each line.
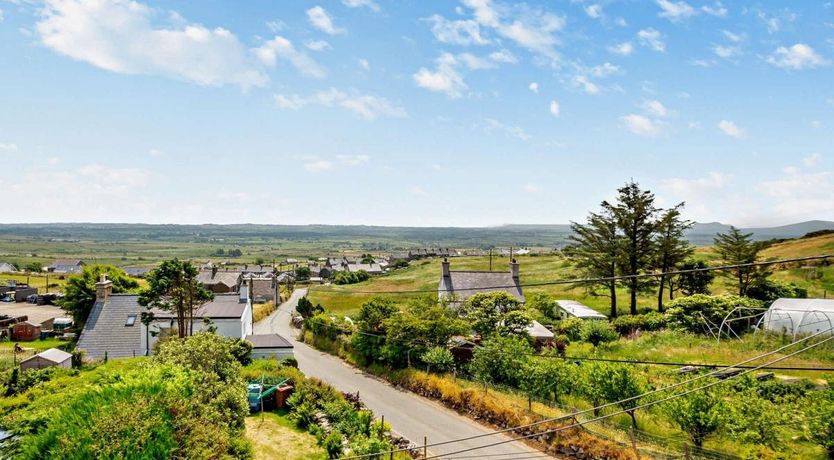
799,316
49,358
572,309
26,330
269,346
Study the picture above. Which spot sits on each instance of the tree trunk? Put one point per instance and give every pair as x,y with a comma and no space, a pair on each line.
633,419
660,292
633,289
612,289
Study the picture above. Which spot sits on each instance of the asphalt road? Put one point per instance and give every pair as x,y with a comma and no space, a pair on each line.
410,415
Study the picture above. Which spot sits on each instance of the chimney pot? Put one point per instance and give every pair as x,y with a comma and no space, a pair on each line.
514,269
445,265
104,288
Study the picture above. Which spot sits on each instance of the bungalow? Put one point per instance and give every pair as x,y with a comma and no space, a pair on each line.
49,358
458,286
65,266
269,346
114,327
371,269
7,268
573,309
219,281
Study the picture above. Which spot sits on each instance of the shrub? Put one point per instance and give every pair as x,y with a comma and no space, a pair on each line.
290,361
439,359
571,327
597,332
346,277
544,303
686,312
768,290
653,321
501,360
698,414
333,444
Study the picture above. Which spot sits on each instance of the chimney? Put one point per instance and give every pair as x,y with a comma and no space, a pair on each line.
445,265
514,269
103,289
213,271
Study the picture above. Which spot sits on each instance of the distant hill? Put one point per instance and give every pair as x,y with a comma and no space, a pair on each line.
376,237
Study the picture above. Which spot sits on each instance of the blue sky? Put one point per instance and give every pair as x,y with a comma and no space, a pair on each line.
465,113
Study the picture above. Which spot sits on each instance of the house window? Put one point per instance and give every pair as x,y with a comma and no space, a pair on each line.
131,320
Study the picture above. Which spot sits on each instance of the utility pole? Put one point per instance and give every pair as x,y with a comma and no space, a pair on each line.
490,260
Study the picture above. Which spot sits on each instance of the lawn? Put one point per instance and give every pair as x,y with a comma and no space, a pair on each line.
273,435
7,357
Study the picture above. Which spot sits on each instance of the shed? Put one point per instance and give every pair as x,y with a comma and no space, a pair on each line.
799,316
49,358
540,334
269,346
26,331
572,309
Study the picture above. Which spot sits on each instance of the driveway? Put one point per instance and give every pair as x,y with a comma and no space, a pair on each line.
410,415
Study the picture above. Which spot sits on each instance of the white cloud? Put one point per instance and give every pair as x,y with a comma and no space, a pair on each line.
771,22
366,106
8,147
370,4
353,160
318,166
801,195
533,188
655,108
731,129
317,45
279,48
726,52
321,20
155,152
554,108
458,32
364,64
119,36
797,57
534,87
642,126
510,130
594,11
812,159
530,28
115,177
652,38
585,84
445,78
604,70
1,15
733,37
675,11
690,188
717,10
623,49
418,191
503,57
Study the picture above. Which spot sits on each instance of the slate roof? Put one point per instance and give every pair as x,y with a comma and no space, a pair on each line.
268,341
136,271
465,284
223,306
370,268
226,278
67,263
105,328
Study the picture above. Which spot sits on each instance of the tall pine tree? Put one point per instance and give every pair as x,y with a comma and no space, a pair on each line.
595,247
670,245
736,248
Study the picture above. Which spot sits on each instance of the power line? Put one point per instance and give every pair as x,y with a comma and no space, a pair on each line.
597,408
642,406
593,280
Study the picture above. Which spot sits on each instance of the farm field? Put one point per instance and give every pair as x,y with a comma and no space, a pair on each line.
425,274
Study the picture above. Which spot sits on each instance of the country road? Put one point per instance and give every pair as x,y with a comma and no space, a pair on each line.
410,415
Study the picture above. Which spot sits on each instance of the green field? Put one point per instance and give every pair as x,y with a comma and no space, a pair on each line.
425,275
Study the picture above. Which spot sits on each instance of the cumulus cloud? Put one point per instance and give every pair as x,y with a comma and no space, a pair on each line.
731,129
321,20
155,152
317,45
675,11
318,166
812,159
279,48
797,57
8,148
370,4
554,108
726,52
641,125
701,194
800,194
456,32
366,106
119,36
717,10
446,76
623,49
594,11
652,39
534,87
655,108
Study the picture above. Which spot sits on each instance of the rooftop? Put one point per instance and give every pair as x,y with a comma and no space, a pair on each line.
465,284
268,341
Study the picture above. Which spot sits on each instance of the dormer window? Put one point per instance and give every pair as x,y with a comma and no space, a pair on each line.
131,320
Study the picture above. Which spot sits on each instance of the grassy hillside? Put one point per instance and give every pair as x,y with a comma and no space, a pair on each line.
425,275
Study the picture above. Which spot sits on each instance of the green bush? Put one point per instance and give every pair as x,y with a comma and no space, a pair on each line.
653,321
686,312
333,444
346,277
290,361
439,359
597,332
570,327
768,290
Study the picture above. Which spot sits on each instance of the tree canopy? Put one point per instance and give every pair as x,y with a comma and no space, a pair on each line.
173,287
80,291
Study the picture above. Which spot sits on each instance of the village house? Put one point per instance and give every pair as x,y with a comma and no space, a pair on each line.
458,285
65,266
49,358
264,289
371,269
219,281
257,270
137,272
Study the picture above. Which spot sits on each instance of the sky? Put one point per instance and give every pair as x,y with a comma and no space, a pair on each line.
469,113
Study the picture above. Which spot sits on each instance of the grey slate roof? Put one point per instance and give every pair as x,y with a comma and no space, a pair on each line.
370,268
223,306
105,329
207,278
268,341
464,284
7,268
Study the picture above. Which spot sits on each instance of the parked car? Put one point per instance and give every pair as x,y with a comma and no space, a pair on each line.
7,299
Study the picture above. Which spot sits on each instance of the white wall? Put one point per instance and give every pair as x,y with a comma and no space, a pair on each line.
237,328
266,353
